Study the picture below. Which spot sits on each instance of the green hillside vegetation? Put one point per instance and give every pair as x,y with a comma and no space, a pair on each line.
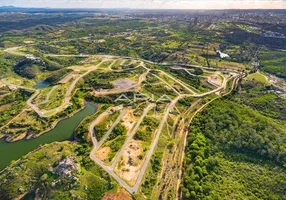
236,146
184,76
58,75
258,77
273,62
147,127
11,105
236,152
82,132
5,64
34,173
29,121
258,97
28,68
101,128
65,61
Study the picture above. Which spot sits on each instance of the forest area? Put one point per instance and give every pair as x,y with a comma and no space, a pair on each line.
236,148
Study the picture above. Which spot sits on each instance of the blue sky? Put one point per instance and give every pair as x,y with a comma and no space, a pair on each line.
164,4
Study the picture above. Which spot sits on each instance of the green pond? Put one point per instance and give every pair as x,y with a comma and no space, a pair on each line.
42,84
63,131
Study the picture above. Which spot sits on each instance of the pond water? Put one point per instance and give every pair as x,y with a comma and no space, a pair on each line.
42,84
63,131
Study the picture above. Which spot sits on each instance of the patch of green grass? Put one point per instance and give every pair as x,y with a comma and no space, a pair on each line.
56,97
146,129
258,77
101,128
154,167
171,44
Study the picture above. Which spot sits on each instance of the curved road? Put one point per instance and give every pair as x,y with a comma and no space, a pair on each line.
110,169
48,96
67,99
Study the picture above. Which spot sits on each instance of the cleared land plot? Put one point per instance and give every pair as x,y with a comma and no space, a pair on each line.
104,80
102,127
105,65
155,87
56,97
258,77
131,161
124,83
114,142
178,87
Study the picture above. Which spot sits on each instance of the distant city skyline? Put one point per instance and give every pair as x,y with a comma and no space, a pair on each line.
150,4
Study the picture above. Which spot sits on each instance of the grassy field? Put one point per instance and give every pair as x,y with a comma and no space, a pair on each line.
259,77
152,176
56,97
105,124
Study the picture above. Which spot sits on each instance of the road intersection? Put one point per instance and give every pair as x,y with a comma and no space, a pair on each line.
110,169
97,144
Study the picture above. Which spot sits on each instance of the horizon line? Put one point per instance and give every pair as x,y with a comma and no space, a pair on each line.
127,8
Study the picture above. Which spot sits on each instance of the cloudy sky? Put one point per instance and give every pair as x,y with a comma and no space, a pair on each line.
164,4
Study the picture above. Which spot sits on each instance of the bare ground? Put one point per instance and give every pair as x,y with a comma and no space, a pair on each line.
102,153
129,166
129,120
120,195
5,107
124,84
215,80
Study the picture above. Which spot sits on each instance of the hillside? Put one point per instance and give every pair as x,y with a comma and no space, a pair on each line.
238,151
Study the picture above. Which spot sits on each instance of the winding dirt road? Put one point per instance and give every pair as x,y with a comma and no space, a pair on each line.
169,108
